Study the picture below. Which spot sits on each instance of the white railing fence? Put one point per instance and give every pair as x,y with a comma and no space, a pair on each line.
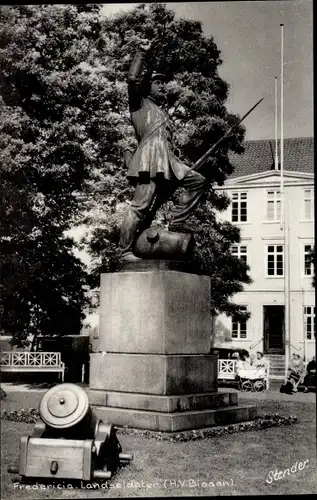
226,368
28,359
20,361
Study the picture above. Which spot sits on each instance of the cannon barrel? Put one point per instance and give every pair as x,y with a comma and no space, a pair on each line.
66,412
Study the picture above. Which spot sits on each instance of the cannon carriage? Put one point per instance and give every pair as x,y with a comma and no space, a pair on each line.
69,441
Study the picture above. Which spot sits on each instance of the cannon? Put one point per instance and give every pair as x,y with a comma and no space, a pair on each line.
69,441
158,243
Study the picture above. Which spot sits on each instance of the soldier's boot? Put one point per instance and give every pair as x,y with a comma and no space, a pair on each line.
129,228
129,257
142,200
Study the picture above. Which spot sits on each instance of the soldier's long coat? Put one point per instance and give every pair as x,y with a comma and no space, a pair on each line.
153,155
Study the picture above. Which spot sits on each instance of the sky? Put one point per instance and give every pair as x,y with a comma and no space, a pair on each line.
248,35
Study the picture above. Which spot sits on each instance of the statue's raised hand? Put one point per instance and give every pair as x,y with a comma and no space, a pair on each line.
148,46
145,45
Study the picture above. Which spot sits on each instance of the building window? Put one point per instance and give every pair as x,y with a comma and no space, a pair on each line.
275,260
273,206
308,204
310,323
239,327
239,207
308,265
240,251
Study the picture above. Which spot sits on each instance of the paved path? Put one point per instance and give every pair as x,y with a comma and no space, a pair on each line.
274,395
19,387
271,395
11,387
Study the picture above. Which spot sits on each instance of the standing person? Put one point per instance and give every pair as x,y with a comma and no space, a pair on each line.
310,377
153,169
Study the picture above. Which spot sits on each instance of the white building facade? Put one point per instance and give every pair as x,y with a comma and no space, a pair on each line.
277,234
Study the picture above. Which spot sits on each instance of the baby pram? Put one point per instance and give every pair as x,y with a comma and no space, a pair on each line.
252,379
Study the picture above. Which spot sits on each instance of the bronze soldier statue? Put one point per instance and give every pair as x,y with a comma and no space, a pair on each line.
153,168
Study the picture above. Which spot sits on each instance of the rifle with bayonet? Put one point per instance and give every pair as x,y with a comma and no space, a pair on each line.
202,160
163,197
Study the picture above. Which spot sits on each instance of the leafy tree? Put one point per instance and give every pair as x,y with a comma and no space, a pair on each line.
64,120
47,158
196,106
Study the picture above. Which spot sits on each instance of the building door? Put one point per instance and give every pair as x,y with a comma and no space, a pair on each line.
273,323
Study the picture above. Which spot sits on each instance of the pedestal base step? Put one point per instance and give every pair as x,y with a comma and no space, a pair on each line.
167,404
178,421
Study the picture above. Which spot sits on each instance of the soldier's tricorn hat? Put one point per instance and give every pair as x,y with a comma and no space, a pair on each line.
158,76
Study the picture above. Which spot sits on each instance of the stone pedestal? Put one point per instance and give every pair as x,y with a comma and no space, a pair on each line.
161,374
154,312
150,366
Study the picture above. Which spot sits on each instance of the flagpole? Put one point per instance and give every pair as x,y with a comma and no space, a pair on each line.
304,302
276,143
282,126
284,216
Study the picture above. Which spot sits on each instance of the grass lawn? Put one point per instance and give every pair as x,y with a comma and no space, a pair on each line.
240,462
